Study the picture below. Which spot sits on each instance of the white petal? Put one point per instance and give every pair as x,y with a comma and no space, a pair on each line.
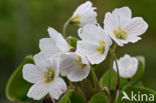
127,66
78,74
42,60
92,33
124,11
120,42
112,22
88,49
38,91
70,68
133,39
48,46
122,18
109,23
58,39
136,26
32,73
83,7
57,88
67,63
86,13
55,62
83,58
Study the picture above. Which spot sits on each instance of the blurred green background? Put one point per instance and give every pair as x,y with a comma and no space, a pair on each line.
24,22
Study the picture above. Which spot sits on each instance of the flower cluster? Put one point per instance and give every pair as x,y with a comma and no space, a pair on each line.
57,57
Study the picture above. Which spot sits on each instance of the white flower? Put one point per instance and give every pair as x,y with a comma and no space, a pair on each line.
84,14
95,43
122,28
75,67
45,78
127,66
56,44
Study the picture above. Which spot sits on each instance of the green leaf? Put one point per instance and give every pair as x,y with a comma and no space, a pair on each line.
137,94
134,80
17,87
139,84
72,41
104,80
71,97
99,98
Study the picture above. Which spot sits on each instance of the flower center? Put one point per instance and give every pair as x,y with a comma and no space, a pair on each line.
101,48
79,62
49,75
120,34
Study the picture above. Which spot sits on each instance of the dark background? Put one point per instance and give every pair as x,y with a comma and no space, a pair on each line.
24,22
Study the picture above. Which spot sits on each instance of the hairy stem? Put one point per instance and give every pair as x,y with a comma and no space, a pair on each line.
65,27
52,100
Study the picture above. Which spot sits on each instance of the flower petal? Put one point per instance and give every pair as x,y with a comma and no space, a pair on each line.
55,62
89,50
70,67
83,6
92,33
124,11
109,23
67,63
58,39
38,91
127,66
42,60
136,27
78,74
57,88
86,13
48,46
32,73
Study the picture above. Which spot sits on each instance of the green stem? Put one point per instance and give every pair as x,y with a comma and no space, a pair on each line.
65,27
110,69
75,87
95,79
118,79
129,81
71,85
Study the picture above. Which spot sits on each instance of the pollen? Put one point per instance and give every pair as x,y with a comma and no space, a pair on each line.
101,42
49,75
120,34
101,48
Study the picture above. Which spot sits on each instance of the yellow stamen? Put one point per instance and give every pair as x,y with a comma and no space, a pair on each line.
49,75
101,42
79,62
120,34
101,48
